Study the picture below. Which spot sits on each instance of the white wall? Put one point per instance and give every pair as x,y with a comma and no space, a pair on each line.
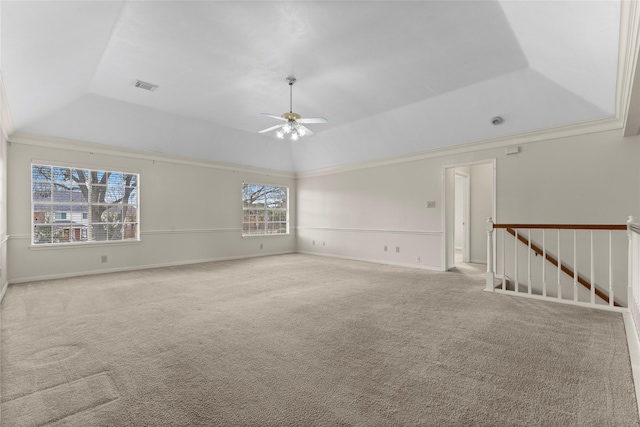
189,212
357,211
4,118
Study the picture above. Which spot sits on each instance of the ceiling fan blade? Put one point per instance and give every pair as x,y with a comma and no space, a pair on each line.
273,116
313,120
307,131
270,129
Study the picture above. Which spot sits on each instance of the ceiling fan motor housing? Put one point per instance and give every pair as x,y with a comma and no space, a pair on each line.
291,116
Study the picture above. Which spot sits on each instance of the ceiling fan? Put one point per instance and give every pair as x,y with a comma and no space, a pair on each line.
293,124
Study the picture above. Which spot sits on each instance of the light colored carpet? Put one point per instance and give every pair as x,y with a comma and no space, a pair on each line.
297,340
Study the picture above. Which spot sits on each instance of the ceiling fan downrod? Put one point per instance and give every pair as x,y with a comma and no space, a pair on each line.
291,81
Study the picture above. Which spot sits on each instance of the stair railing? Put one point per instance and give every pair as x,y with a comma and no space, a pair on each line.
537,266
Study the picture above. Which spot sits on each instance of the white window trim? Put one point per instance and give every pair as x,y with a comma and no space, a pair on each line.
286,210
86,243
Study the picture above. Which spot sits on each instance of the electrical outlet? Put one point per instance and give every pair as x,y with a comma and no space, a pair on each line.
313,243
397,249
417,259
431,204
322,243
260,245
385,248
103,258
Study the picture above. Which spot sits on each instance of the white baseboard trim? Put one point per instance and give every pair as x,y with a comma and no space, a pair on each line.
374,261
141,267
634,352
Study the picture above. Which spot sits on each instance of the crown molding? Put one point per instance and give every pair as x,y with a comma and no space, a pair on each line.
582,128
6,117
628,82
94,148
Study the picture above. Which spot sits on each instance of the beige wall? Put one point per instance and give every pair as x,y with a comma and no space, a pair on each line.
4,118
189,212
357,211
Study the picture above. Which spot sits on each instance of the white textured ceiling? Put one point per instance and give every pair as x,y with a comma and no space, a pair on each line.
392,77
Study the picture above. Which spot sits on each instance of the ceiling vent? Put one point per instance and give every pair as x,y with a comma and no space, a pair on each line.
145,85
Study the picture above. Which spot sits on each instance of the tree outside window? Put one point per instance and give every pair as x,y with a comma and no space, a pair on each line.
83,205
265,210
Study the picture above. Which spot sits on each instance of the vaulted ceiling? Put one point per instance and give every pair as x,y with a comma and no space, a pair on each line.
391,77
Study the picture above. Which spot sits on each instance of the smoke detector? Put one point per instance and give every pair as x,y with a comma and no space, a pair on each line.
497,120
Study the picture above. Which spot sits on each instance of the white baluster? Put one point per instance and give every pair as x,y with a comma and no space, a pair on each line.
544,263
610,272
575,267
593,274
529,264
559,268
490,273
504,274
515,257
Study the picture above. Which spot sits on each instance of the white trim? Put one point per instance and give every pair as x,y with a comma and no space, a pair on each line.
634,351
141,267
628,49
494,207
374,261
192,231
18,236
93,148
373,230
4,239
82,245
7,118
91,166
581,128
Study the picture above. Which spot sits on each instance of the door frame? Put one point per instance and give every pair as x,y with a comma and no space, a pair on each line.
448,211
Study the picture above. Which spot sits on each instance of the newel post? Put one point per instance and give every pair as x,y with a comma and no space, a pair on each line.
490,273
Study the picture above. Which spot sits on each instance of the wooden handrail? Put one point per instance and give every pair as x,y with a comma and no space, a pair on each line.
565,226
554,261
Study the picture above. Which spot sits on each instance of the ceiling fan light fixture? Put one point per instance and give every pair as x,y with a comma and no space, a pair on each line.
293,124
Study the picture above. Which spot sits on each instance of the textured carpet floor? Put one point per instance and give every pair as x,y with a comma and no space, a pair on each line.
297,340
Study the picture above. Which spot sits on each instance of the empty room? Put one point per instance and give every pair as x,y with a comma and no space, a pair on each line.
319,213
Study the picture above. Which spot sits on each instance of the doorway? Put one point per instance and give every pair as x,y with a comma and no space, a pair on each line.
461,208
469,199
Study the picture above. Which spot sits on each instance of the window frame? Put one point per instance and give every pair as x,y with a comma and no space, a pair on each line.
129,231
265,213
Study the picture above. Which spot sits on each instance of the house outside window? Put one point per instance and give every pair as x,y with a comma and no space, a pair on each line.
78,205
265,210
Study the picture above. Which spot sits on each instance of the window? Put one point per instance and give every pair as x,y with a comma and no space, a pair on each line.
265,210
72,205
